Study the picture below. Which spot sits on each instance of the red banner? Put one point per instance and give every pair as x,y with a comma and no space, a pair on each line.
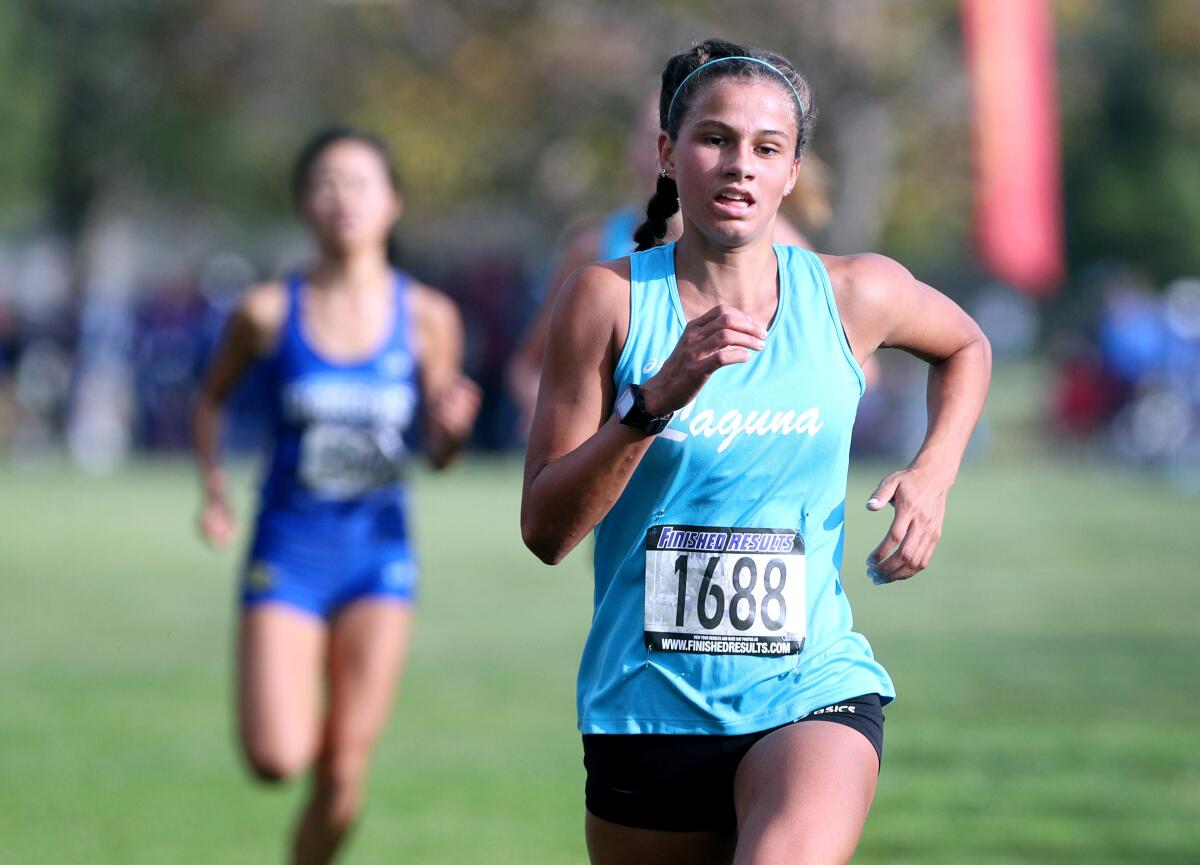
1018,175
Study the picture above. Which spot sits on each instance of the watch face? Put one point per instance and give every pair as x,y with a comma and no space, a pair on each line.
624,403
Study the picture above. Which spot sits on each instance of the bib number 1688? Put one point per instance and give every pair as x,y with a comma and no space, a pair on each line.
745,606
725,590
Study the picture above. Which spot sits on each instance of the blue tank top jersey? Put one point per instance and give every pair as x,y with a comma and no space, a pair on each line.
342,435
719,608
616,234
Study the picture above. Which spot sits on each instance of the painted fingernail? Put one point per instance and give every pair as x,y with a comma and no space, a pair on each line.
872,502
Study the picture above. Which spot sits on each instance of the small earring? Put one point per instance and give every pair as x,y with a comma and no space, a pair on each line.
662,172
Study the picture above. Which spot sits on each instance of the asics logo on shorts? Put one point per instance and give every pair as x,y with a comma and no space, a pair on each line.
833,710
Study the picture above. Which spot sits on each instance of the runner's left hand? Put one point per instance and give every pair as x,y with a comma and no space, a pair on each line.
919,497
454,407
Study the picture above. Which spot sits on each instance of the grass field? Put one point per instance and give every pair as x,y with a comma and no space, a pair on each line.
1049,707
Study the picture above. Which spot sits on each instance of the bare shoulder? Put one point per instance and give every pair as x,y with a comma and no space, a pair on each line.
431,307
591,318
882,304
595,294
873,292
261,312
866,279
265,304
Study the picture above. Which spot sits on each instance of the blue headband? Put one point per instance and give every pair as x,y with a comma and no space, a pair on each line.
687,78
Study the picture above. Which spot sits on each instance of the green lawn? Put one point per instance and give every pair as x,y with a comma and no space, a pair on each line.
1049,707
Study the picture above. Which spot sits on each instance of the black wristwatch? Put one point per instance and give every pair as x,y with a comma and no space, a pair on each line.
631,411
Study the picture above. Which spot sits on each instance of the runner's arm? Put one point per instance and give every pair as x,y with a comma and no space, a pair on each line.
885,306
579,457
249,333
452,400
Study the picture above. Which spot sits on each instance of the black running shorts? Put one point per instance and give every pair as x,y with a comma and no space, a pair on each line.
679,783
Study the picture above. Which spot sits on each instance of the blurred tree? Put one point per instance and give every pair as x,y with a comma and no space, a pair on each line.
1132,133
509,116
26,105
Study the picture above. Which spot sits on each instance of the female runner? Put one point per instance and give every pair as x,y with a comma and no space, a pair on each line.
695,410
357,352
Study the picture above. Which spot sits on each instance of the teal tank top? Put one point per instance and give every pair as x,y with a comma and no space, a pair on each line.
719,608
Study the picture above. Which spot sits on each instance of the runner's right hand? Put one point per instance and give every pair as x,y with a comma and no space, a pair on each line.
722,336
217,524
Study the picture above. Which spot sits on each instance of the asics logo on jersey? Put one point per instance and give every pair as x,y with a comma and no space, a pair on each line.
734,423
396,363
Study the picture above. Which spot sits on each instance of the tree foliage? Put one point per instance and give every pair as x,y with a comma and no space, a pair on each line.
522,106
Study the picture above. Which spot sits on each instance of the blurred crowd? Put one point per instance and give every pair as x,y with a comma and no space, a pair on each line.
116,375
1127,377
112,376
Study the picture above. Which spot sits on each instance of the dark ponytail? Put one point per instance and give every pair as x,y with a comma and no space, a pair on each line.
663,204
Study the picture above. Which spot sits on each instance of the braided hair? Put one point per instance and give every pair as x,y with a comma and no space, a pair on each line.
678,93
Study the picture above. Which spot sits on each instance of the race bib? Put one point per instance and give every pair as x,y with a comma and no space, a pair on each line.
725,591
340,461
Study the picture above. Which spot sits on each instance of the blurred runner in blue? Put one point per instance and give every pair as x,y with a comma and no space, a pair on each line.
363,362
